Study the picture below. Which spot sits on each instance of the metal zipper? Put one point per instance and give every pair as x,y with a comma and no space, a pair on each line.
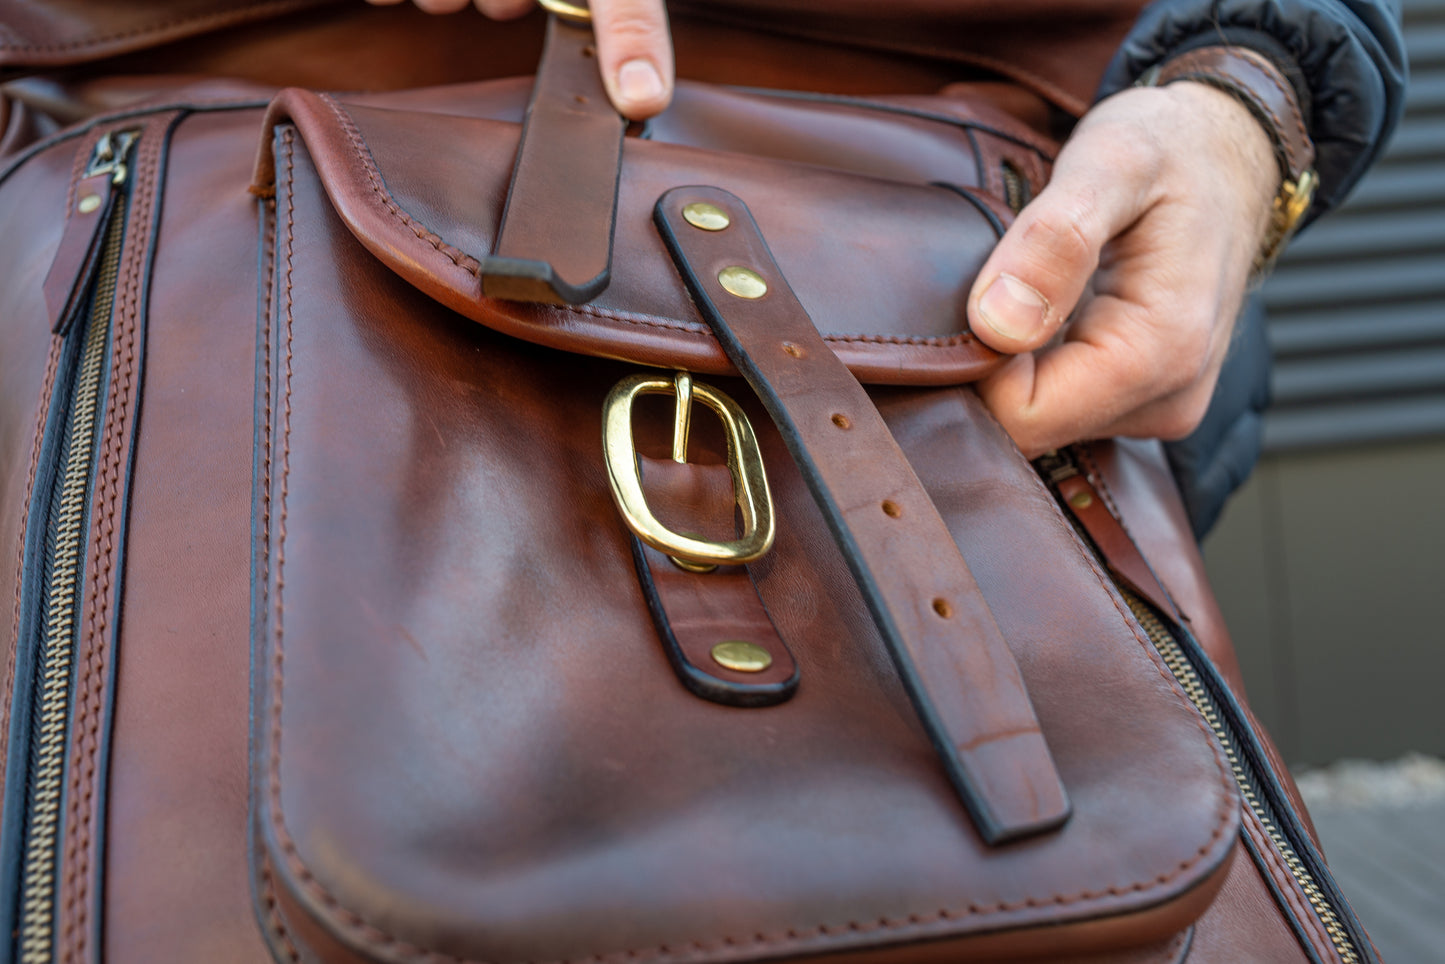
1059,465
64,568
1179,664
1015,187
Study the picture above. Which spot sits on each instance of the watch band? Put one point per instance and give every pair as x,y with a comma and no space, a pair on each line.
1260,86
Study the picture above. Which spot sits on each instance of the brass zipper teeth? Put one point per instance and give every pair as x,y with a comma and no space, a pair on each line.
37,909
1184,672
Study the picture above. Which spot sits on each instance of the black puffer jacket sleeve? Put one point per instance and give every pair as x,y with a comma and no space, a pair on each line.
1346,58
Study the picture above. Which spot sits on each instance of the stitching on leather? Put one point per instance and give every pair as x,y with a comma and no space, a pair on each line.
348,126
220,19
274,922
110,481
913,926
47,388
82,158
1289,888
473,266
1266,69
701,330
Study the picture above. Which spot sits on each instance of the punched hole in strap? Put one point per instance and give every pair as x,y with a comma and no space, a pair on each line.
950,655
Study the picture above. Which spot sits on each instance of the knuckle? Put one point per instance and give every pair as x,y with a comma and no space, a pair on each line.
633,25
1063,239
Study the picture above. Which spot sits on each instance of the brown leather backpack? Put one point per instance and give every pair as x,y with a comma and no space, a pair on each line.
536,674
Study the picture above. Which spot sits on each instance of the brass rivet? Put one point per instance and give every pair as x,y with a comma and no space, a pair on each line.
1081,500
742,282
741,656
709,217
891,509
792,349
89,204
841,420
941,606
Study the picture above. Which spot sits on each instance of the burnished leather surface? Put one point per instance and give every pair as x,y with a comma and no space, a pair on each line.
458,820
571,146
694,611
939,631
835,234
1058,50
177,879
175,823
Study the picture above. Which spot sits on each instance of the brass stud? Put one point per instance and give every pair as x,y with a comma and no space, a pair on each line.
709,217
89,204
741,656
1081,500
742,282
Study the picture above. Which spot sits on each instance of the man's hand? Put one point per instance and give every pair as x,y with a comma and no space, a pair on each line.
1118,286
634,47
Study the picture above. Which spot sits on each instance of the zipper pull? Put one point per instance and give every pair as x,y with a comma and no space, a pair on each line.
93,203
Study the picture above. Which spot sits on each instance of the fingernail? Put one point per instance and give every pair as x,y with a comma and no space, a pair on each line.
638,82
1012,308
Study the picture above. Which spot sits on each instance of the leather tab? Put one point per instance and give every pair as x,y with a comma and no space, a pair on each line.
695,611
555,241
1086,503
77,256
950,655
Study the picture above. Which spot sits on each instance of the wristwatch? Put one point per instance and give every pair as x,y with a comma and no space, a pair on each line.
1257,83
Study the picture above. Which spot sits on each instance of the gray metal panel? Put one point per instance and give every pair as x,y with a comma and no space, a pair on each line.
1357,305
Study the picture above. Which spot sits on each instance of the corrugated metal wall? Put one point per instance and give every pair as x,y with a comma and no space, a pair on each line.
1330,564
1357,307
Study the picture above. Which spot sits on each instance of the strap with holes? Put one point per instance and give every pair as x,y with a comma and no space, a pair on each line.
555,241
964,682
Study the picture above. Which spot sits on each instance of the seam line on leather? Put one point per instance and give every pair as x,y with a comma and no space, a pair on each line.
458,257
1289,887
47,389
472,266
108,486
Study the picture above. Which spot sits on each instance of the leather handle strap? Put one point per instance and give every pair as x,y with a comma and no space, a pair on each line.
949,652
555,241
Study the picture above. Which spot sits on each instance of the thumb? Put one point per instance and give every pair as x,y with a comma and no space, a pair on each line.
634,49
1036,275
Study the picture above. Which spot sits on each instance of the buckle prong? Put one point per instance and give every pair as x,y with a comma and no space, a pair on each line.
682,421
745,465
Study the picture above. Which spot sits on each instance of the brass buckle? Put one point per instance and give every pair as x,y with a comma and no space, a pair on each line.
745,464
571,12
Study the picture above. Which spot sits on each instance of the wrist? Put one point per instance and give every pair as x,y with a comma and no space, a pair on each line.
1259,86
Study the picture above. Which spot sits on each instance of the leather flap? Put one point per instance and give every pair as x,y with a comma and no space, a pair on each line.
470,745
874,212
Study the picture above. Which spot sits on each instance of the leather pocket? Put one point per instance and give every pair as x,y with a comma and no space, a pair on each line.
469,743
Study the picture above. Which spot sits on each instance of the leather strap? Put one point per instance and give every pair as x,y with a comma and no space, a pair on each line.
949,653
1086,503
1261,87
555,241
696,611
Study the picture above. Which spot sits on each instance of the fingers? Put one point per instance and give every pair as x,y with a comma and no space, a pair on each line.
1118,371
634,50
634,47
1036,275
